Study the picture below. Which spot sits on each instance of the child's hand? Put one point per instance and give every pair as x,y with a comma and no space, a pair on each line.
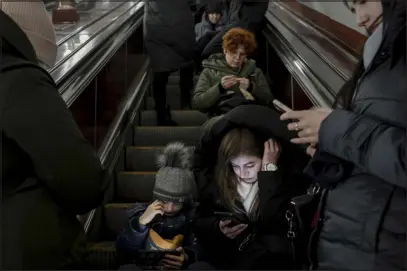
172,262
152,210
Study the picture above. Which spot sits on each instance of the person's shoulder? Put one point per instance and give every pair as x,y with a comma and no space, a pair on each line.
23,79
28,75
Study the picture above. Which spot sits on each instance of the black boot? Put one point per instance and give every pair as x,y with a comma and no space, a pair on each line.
164,117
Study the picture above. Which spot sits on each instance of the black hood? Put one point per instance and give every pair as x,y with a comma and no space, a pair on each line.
14,42
394,20
261,120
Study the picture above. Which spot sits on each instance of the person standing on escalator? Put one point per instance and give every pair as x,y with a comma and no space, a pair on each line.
169,38
358,150
50,173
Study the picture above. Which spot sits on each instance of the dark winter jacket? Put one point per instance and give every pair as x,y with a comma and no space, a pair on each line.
206,27
209,95
169,34
50,173
134,236
364,215
240,13
269,248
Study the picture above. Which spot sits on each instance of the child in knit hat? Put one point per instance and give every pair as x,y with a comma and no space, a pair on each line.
163,225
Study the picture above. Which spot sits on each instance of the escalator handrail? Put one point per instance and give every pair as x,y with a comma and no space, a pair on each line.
75,84
316,91
68,66
83,27
113,143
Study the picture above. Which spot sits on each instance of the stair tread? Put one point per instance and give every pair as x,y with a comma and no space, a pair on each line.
135,187
143,158
102,245
181,117
162,135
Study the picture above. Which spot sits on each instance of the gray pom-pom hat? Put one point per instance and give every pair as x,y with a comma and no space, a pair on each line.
174,181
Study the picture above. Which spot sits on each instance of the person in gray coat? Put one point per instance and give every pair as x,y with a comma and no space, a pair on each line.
211,21
169,38
359,158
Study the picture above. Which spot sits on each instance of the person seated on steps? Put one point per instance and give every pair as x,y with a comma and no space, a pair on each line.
164,223
231,79
212,22
244,166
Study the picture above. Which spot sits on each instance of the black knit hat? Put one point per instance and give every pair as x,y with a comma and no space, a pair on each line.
214,8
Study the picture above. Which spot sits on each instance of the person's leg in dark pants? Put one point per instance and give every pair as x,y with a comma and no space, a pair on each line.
160,80
186,85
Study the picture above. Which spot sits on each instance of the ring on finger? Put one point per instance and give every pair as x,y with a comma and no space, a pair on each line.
296,126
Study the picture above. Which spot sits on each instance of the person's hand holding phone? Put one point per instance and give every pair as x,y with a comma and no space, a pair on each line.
173,261
228,81
155,208
231,232
307,124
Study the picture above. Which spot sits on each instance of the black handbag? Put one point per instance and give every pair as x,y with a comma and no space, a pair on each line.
300,216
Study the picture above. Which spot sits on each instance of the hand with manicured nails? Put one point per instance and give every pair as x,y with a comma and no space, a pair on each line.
231,232
228,81
271,153
174,262
155,208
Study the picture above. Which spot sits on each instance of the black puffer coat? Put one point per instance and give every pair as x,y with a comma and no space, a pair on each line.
364,212
169,34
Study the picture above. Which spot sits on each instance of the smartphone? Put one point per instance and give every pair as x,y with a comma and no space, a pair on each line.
280,106
222,216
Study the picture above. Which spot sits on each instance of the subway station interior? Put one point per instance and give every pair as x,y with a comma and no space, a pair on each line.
307,51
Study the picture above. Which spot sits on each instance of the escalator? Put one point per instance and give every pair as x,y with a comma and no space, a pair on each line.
135,180
104,77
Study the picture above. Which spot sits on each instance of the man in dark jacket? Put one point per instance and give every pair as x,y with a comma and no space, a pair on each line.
170,42
360,153
50,174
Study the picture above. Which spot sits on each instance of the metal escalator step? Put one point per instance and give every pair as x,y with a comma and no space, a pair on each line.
173,103
181,117
135,186
116,217
143,158
162,135
102,256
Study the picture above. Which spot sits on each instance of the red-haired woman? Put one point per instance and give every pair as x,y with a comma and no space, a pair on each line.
231,79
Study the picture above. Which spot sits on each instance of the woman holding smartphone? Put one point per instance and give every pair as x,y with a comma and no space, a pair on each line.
240,169
360,156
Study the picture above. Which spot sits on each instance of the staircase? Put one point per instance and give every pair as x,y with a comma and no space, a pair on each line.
135,183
